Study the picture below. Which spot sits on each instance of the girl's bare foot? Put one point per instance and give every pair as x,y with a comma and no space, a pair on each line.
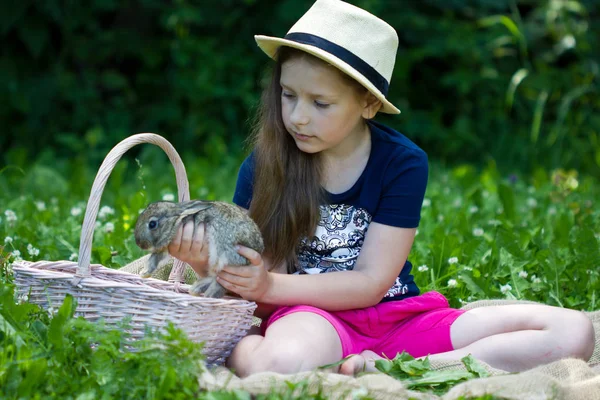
363,362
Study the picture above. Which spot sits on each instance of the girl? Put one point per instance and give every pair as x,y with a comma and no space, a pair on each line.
338,199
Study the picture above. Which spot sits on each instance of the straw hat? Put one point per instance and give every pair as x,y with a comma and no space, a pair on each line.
347,37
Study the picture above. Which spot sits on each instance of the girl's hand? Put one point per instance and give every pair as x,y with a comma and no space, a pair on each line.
188,246
252,281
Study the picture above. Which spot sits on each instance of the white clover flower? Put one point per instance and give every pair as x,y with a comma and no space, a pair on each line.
531,202
416,232
22,298
452,283
523,274
40,205
485,194
426,202
473,209
423,268
531,189
467,268
568,42
452,260
8,240
494,222
536,280
470,298
75,211
169,197
440,218
552,210
16,254
32,250
54,201
477,232
105,211
73,257
10,216
98,225
109,227
505,288
457,203
500,210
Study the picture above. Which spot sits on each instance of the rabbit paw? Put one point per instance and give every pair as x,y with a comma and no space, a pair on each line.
201,285
155,262
215,290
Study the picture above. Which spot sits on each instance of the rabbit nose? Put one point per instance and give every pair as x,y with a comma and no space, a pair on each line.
143,244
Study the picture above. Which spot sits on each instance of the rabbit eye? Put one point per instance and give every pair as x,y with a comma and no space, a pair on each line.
152,224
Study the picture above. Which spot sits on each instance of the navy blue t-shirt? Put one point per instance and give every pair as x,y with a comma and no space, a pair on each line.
389,191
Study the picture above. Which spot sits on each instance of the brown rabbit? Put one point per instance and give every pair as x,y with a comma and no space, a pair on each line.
226,225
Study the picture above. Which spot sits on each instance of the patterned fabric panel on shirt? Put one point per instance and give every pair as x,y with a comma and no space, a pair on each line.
336,245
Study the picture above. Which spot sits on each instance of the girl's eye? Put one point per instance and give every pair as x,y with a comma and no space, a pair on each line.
152,224
288,95
321,105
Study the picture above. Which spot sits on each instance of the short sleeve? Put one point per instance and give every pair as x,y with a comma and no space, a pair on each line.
403,190
243,189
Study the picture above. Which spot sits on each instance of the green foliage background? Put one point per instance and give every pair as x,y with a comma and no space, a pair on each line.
513,80
502,94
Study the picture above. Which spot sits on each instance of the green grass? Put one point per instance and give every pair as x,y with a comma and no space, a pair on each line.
482,235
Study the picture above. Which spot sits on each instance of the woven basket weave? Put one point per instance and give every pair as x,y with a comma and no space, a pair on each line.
113,296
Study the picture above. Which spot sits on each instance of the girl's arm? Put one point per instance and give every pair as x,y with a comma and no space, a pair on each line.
264,310
383,254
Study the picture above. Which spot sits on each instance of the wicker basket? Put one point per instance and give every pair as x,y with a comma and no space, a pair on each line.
112,295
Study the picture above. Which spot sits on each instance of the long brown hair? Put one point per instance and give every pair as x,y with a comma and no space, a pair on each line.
287,190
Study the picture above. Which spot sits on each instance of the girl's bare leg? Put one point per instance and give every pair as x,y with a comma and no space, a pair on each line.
296,342
512,338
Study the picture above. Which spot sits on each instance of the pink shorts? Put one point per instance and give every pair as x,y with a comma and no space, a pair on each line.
419,325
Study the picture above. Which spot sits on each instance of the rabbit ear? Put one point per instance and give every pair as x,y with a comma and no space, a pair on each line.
193,206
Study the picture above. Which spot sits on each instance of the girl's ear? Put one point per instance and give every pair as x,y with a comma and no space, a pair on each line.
371,105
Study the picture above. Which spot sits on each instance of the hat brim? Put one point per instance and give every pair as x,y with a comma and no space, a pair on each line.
270,45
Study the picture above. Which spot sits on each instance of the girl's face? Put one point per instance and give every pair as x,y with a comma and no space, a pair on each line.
320,109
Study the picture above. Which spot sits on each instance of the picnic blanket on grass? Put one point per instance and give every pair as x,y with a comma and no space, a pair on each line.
568,379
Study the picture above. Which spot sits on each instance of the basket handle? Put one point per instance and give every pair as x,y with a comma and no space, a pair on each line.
91,211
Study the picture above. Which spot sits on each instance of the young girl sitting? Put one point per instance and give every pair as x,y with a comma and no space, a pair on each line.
338,198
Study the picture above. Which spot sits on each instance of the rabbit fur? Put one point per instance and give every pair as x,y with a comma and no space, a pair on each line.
226,225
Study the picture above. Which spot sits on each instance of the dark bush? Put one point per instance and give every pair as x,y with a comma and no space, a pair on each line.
514,81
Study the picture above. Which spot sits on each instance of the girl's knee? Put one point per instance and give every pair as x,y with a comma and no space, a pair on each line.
284,357
240,360
580,335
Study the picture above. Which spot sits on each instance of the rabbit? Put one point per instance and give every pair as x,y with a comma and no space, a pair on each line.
226,225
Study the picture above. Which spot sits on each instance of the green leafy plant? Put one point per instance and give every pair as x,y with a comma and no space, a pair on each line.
417,374
61,356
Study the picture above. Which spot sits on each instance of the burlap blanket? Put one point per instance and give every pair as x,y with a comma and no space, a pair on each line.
568,379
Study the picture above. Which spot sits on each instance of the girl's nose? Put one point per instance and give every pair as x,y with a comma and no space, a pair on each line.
299,115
